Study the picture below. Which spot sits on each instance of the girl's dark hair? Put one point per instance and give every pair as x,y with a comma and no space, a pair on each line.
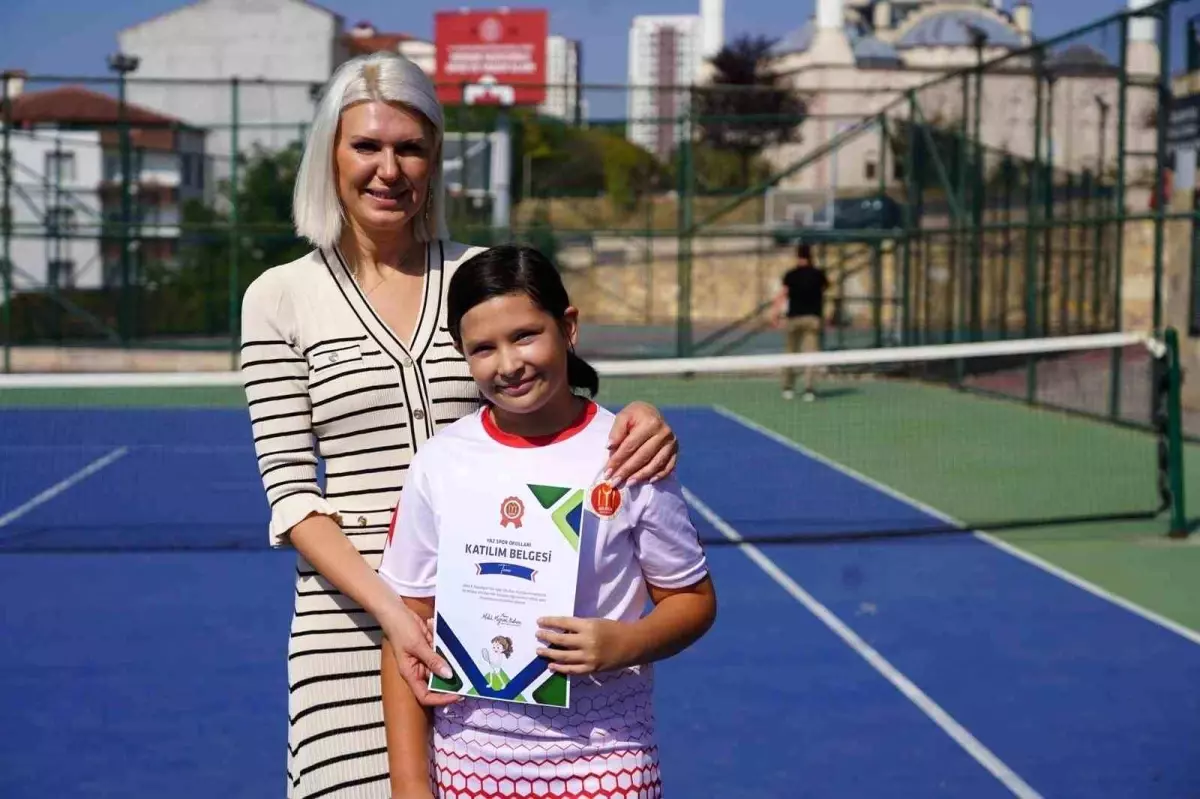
510,269
804,252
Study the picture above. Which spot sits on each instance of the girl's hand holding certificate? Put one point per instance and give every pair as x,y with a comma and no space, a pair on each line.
586,645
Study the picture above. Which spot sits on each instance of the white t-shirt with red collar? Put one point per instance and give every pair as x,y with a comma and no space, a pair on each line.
472,466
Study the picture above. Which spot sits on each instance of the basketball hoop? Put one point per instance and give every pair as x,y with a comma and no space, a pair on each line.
488,92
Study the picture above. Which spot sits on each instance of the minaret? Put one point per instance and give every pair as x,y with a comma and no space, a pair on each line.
830,45
1143,54
1023,20
712,22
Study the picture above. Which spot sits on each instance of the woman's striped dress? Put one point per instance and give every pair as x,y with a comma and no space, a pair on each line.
324,375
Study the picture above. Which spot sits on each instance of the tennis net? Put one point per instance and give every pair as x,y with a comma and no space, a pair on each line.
895,442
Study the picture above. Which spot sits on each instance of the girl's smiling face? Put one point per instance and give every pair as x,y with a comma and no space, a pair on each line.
517,353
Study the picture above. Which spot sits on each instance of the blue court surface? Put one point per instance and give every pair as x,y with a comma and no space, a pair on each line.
145,631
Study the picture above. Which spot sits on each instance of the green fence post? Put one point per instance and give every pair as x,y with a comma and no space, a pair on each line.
1160,158
1118,255
683,314
1064,268
1006,273
877,262
1174,432
841,297
234,228
1048,209
1031,237
1081,287
6,217
648,250
126,204
977,151
912,222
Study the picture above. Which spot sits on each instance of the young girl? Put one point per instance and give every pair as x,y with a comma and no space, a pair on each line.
509,315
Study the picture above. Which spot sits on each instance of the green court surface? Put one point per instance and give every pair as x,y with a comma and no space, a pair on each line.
980,459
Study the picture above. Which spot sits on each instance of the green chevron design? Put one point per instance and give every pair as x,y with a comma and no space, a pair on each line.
567,518
548,495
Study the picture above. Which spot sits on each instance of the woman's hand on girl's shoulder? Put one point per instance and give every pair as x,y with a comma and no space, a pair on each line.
643,445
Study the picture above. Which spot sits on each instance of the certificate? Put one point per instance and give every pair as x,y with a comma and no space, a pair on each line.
499,570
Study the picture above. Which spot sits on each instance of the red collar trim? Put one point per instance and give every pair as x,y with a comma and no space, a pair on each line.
523,442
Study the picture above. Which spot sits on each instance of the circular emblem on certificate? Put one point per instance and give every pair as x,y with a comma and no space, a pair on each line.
605,500
512,510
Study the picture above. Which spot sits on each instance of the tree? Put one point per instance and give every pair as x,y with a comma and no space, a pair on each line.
198,290
749,108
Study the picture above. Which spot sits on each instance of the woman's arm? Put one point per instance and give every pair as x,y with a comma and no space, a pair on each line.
679,618
275,378
407,725
324,545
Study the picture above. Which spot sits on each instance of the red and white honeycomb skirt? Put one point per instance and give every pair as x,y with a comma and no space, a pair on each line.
602,747
628,774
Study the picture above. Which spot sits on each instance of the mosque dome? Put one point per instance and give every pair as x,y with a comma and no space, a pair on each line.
952,27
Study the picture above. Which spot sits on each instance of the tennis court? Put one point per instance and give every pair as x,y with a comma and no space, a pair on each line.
860,651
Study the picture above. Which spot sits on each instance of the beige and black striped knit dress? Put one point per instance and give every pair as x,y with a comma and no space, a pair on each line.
325,376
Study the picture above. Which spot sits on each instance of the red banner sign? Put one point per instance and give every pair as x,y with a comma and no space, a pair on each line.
497,56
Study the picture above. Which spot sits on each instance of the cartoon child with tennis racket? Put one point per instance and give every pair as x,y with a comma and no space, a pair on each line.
502,649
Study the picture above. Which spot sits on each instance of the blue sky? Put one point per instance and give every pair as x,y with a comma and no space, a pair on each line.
72,37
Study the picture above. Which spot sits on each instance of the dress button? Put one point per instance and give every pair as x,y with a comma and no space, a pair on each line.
333,358
407,363
418,414
362,521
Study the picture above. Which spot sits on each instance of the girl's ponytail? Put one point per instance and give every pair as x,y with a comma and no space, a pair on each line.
581,375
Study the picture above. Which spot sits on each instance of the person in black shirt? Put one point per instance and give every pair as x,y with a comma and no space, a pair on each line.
799,309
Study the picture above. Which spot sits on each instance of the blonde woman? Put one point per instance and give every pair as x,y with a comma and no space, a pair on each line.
346,356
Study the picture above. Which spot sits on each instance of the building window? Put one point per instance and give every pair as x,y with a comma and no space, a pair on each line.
61,274
60,167
870,169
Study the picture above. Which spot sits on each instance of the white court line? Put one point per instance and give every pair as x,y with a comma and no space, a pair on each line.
982,755
62,485
1034,560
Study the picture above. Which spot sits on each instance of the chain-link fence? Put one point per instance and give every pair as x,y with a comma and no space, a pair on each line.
1010,197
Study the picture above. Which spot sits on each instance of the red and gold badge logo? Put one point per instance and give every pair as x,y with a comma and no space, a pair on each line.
512,510
606,500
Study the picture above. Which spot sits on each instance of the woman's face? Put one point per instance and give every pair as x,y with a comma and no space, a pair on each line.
383,158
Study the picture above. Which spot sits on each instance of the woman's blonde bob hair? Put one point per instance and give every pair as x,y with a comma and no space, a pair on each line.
382,77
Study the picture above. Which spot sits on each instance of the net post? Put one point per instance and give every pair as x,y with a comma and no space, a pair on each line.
6,216
234,226
1173,379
